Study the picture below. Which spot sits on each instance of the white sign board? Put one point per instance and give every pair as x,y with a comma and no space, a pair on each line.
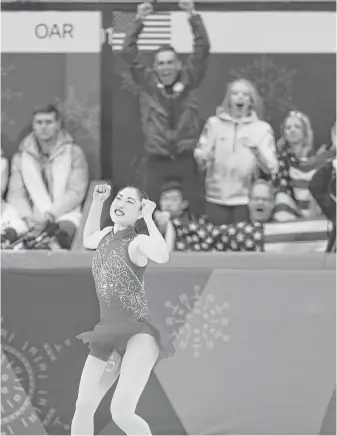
50,32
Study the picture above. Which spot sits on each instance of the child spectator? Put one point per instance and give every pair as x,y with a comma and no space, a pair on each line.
234,146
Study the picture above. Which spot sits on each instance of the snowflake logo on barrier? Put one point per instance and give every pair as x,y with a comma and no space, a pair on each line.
274,83
197,322
24,384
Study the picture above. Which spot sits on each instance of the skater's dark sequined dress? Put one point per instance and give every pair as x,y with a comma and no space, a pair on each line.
124,310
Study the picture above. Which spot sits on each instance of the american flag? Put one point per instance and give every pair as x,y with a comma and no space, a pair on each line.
291,237
203,236
292,186
156,32
300,236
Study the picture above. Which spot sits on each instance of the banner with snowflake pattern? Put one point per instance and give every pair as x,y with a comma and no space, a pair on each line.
249,335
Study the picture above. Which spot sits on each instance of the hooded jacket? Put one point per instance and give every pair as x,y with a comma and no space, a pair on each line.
65,165
232,150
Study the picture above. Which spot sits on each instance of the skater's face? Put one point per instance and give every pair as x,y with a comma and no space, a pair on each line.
173,202
126,208
261,203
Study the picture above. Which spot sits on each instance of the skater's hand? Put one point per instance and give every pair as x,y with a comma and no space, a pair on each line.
186,5
148,208
162,218
144,9
101,193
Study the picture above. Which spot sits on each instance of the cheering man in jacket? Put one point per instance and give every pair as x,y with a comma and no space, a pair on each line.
169,106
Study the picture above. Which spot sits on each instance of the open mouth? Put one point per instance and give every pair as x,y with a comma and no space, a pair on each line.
167,77
259,209
119,212
239,104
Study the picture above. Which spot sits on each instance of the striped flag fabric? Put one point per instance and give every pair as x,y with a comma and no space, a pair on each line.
294,197
302,236
156,32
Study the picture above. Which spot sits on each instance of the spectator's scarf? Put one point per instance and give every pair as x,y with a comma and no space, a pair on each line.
291,185
295,237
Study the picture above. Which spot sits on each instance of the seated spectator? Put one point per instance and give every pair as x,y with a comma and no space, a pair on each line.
262,233
49,177
261,202
190,233
234,146
11,226
296,153
259,233
173,206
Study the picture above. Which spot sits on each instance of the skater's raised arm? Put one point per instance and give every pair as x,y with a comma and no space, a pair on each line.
92,233
154,246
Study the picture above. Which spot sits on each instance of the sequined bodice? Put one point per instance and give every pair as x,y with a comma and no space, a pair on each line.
119,282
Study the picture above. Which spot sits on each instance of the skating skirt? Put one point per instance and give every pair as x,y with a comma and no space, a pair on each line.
114,333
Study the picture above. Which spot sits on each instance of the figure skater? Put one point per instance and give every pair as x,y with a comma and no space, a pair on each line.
126,342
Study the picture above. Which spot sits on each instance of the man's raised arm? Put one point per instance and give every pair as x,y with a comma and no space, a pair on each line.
140,73
197,62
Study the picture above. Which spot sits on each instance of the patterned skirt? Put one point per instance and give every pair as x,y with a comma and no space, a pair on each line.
114,331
